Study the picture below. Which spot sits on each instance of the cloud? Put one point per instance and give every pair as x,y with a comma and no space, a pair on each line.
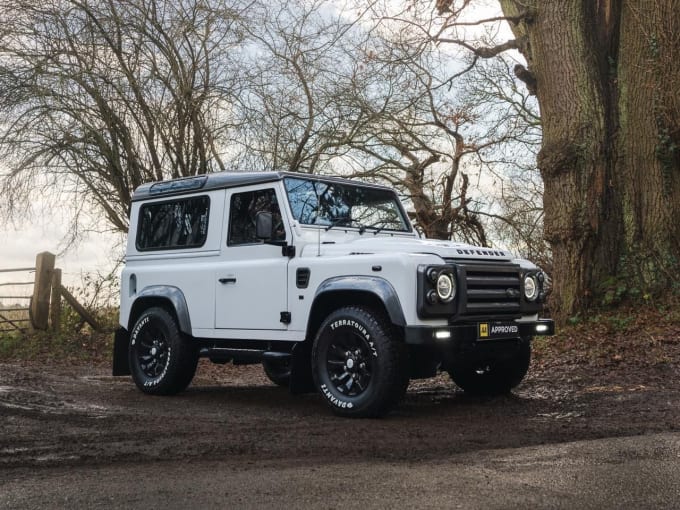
18,248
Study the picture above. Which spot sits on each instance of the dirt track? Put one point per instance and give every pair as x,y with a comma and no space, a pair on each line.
63,419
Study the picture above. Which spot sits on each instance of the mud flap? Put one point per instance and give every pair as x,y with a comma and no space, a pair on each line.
301,380
121,365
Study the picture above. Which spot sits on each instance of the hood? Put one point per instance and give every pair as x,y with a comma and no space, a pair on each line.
381,244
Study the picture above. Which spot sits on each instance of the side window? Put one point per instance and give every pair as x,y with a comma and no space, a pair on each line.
181,223
242,212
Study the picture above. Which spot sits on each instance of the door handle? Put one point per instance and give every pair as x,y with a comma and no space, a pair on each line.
227,280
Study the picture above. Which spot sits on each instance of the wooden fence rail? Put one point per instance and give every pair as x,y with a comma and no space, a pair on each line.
20,315
44,309
12,322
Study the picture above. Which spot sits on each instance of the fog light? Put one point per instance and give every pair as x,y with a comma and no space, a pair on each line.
541,328
442,334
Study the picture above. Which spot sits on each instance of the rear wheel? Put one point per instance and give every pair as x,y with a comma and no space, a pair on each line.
495,375
359,363
162,359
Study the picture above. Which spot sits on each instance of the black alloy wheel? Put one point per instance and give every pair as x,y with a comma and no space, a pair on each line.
349,362
162,359
359,362
152,352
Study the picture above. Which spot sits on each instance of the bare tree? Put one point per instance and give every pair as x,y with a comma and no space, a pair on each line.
369,98
99,96
515,211
294,115
435,136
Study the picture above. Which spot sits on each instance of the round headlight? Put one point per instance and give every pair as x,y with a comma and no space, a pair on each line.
446,288
530,288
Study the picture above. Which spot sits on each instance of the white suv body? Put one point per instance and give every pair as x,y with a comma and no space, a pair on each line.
302,273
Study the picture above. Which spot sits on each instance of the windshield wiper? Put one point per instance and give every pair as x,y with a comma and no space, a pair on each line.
349,222
377,228
336,221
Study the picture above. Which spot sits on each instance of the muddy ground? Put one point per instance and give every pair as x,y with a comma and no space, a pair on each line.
60,419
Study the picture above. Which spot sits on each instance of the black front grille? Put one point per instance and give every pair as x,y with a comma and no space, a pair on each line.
489,289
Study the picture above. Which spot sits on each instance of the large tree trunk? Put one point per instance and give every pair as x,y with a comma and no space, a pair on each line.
649,112
606,71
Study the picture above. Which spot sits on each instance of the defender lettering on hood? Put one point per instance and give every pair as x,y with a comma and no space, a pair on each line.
335,244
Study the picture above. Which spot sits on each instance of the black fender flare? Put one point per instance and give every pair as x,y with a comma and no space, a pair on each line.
378,288
375,285
168,293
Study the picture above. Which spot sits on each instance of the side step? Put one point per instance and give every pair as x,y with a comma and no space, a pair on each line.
241,356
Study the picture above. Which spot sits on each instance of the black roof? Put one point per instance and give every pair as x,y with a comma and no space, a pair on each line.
219,180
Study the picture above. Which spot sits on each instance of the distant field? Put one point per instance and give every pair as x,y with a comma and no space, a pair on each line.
16,287
10,319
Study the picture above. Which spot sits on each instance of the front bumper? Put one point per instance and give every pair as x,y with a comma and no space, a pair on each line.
474,332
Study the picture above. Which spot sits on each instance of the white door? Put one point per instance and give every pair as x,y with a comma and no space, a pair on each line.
251,278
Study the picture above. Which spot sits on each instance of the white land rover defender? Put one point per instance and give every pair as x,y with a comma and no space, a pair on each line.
322,280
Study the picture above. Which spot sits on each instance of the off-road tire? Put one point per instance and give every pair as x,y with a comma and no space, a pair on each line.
162,359
496,375
278,371
378,366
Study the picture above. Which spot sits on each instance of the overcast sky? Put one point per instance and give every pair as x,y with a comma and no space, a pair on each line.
98,252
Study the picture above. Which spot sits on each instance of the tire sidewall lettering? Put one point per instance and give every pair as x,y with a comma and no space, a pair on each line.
330,393
149,383
338,402
358,327
138,328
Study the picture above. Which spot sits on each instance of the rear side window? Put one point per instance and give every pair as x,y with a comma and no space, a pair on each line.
181,223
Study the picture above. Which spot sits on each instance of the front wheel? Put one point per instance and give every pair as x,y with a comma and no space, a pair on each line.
494,375
162,360
359,363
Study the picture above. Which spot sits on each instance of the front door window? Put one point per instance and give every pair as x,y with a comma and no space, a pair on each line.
244,208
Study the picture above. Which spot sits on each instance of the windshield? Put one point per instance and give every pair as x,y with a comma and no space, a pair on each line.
330,203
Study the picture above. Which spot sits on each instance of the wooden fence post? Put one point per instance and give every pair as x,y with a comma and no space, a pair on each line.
40,305
55,302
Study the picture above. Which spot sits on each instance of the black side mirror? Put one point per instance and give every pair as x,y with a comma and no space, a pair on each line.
263,225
